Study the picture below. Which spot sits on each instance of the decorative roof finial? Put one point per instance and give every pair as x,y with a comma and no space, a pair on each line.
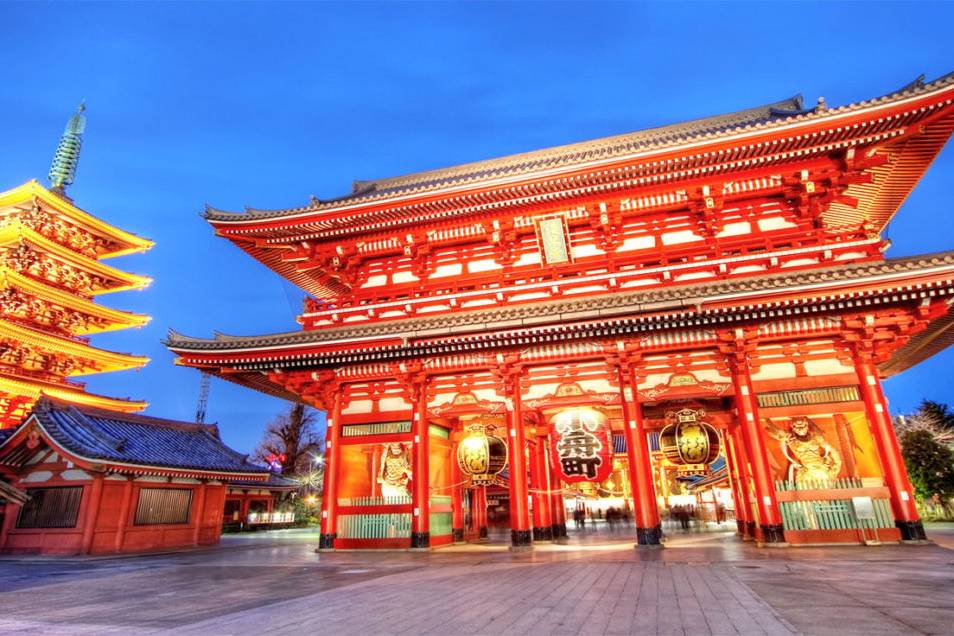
63,170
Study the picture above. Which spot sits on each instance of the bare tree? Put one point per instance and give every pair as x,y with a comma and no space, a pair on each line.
932,417
292,440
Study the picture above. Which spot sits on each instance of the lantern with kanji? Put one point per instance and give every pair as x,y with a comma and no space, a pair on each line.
480,456
687,440
582,445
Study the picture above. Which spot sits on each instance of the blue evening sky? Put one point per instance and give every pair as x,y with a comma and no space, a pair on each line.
266,104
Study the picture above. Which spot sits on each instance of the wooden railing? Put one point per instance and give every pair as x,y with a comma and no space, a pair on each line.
374,501
377,526
831,505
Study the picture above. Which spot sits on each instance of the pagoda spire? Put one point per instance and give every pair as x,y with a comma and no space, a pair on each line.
63,169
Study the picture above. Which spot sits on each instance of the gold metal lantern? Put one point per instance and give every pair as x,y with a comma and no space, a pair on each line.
481,456
688,439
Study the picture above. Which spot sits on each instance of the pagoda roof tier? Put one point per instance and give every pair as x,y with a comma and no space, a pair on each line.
126,443
118,242
108,319
101,359
801,294
764,131
16,233
35,389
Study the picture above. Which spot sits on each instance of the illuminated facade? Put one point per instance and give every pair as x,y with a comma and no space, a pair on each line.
708,300
51,270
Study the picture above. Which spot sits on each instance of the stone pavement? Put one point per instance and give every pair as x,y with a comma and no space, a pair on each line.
701,584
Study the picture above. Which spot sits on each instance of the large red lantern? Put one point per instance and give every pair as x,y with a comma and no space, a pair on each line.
582,445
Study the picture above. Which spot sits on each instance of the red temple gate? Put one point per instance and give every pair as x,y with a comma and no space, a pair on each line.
735,263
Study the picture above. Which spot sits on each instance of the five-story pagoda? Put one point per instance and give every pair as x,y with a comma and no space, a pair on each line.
51,270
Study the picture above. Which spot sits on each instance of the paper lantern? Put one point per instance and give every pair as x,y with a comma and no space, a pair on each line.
582,445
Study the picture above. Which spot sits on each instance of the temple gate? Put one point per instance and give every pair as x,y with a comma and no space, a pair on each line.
696,304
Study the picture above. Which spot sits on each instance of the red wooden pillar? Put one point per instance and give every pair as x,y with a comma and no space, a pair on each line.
329,499
457,497
92,513
244,505
124,509
540,485
480,511
648,526
519,508
906,516
739,486
557,507
421,493
11,514
770,519
199,511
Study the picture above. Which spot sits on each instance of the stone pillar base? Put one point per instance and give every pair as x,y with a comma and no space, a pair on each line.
740,527
543,534
911,530
458,535
326,542
420,540
649,537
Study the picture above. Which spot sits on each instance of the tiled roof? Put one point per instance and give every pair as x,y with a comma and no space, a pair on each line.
606,305
275,482
139,440
752,119
547,158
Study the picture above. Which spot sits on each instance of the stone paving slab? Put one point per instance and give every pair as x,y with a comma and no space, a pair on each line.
598,585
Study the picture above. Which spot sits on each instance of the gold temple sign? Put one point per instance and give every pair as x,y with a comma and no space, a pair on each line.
569,389
683,379
552,236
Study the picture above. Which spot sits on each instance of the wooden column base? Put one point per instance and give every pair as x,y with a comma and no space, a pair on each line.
420,540
911,530
649,537
520,540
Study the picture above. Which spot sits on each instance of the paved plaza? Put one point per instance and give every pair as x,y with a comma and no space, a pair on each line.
597,584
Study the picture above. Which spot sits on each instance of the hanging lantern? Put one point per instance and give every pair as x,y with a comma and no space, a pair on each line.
481,456
688,440
582,445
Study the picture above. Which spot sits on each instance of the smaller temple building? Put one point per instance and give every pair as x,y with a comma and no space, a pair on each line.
98,482
251,504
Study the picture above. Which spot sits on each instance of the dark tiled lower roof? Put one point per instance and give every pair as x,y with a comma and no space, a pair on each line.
140,440
628,303
275,482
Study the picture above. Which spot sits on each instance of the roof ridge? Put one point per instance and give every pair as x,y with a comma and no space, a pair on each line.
53,404
692,130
